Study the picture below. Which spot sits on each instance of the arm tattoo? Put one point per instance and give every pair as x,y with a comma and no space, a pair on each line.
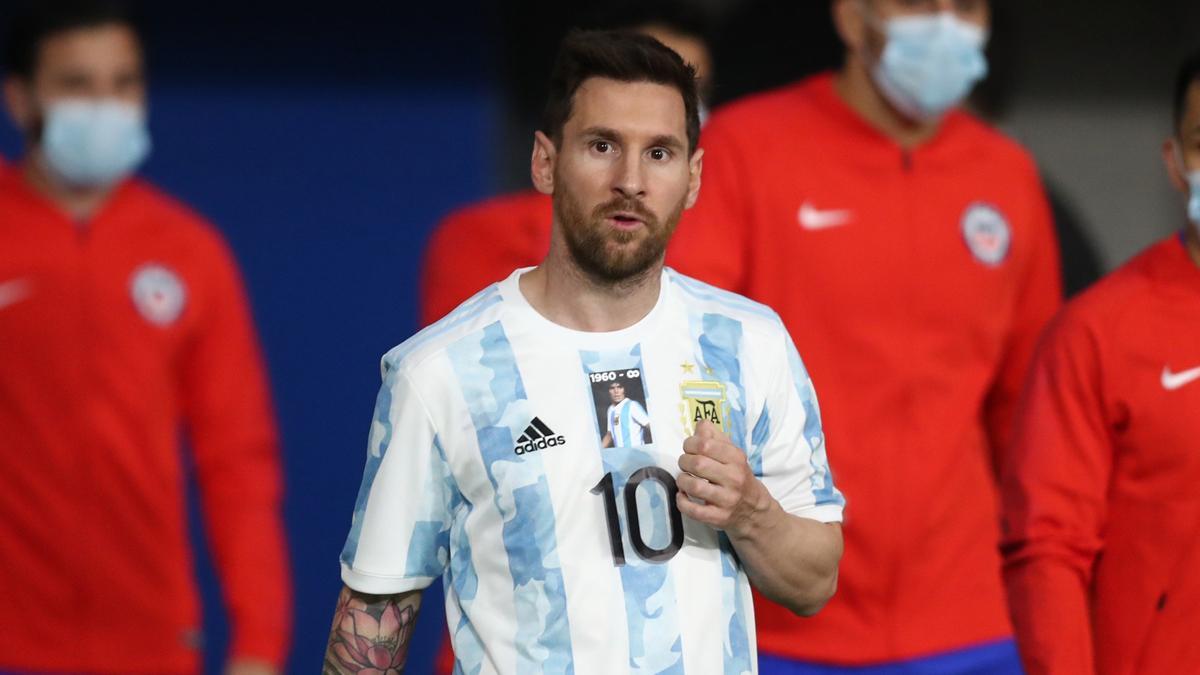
370,633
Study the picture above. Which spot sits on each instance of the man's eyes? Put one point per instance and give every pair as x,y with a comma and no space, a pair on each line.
656,154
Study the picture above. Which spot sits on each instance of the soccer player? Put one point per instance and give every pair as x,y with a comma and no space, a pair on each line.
122,317
481,243
1102,522
626,418
576,558
909,249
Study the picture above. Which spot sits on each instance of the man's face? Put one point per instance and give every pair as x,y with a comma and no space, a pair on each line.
101,62
622,176
977,12
1189,131
617,392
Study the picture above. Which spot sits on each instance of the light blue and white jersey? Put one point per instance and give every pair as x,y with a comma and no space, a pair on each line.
627,422
485,466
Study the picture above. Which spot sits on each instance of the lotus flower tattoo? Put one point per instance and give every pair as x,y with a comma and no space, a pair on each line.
367,641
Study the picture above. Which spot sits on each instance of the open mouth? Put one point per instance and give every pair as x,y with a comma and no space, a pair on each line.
625,220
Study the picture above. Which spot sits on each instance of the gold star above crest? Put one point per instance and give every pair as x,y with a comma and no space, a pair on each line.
708,371
687,367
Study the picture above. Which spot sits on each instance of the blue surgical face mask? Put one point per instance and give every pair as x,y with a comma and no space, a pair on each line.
94,143
1194,199
930,63
1193,179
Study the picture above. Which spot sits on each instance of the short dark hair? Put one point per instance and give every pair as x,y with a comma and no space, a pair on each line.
38,20
1189,74
617,55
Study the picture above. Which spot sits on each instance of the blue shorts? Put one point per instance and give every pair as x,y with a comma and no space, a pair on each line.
992,658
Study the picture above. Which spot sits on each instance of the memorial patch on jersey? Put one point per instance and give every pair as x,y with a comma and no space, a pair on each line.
987,233
158,294
703,400
618,397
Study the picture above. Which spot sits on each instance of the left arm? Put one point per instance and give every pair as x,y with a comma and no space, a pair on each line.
1055,488
761,531
371,633
229,414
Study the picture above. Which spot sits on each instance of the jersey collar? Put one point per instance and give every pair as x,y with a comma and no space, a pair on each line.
510,290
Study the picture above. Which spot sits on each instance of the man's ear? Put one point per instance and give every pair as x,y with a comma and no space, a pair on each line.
695,166
18,101
850,23
1173,158
541,165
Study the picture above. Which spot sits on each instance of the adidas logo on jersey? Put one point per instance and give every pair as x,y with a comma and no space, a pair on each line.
537,436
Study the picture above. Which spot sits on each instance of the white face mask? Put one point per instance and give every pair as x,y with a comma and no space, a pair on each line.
94,143
930,62
1193,179
1194,199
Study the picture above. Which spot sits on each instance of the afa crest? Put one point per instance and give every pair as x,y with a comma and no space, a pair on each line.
703,400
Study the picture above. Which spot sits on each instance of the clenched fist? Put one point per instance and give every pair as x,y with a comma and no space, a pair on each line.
717,473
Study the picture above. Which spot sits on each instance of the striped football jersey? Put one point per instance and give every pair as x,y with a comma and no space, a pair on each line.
498,462
627,422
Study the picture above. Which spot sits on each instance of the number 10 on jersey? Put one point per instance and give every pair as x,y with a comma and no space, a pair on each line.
606,489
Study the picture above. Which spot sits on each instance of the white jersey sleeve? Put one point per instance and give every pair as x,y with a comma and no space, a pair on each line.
399,537
790,442
638,414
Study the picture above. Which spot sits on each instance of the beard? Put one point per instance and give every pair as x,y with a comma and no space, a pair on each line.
610,256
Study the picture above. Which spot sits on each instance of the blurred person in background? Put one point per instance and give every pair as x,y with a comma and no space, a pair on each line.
480,243
1102,516
910,251
122,318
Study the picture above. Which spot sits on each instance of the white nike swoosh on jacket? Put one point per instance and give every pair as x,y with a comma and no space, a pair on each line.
1172,381
13,291
812,218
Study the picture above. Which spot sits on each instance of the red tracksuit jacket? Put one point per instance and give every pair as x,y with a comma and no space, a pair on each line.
112,334
915,284
480,244
1102,510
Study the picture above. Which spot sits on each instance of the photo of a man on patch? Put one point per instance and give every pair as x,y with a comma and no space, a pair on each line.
625,422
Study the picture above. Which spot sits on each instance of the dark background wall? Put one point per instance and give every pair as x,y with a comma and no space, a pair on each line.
326,139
